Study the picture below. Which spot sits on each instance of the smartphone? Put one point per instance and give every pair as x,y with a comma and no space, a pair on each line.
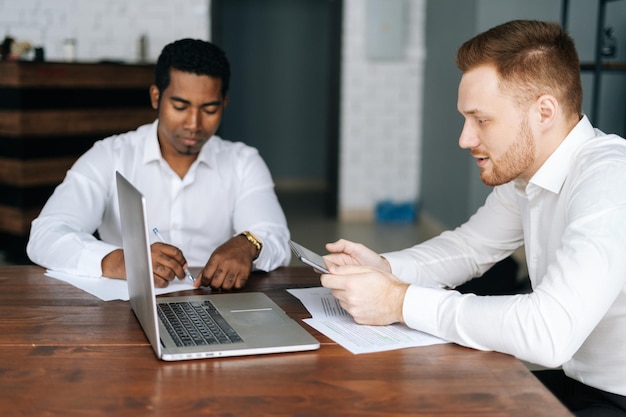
308,257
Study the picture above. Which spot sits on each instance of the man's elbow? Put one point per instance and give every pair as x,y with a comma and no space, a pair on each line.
551,356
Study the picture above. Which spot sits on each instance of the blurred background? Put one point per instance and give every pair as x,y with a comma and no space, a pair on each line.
352,103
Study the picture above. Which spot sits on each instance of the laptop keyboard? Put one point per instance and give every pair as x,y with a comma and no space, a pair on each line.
196,323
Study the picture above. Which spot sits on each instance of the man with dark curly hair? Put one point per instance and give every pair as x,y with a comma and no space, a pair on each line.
212,200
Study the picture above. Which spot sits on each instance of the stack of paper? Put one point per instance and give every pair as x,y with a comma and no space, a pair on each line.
332,320
108,289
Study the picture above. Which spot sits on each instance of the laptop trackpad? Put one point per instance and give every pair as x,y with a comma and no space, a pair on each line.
255,317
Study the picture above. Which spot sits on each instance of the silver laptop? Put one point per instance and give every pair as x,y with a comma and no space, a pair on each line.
198,326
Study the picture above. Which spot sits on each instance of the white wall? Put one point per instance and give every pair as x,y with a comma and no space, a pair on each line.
105,29
381,116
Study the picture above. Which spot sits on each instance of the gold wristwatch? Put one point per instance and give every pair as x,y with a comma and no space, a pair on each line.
252,238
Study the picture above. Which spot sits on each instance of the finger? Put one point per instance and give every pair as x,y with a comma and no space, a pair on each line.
331,281
206,275
199,280
164,265
217,279
170,256
164,272
172,252
229,280
335,259
160,282
350,269
337,246
241,281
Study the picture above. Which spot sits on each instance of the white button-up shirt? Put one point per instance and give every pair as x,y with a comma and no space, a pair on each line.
227,190
571,219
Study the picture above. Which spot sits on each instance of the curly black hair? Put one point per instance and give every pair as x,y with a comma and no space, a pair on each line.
195,56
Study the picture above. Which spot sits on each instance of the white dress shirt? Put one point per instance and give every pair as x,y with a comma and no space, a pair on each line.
571,219
227,190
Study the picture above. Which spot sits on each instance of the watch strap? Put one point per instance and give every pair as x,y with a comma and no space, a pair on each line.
252,238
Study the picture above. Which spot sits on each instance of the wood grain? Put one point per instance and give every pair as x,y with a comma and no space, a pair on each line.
61,74
64,352
73,121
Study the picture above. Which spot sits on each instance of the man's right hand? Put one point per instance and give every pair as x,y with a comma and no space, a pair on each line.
168,263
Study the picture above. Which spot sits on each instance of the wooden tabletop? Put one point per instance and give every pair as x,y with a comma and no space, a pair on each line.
64,352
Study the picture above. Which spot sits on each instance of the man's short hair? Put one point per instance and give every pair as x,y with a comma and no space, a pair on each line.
531,58
194,56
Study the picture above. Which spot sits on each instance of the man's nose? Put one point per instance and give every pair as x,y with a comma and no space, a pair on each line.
468,138
192,121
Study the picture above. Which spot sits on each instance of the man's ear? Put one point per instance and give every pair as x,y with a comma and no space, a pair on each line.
154,97
548,109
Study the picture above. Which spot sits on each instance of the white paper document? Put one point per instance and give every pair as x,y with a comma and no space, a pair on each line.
332,320
108,289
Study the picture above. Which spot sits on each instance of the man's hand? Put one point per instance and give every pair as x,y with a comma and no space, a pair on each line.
113,265
230,265
167,263
370,295
344,252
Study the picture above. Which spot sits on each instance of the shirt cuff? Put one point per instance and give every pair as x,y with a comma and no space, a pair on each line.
421,306
400,266
90,262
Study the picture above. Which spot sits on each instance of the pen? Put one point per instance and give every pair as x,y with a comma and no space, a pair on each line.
187,273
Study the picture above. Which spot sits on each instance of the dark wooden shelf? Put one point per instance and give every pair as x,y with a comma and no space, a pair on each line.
50,113
605,66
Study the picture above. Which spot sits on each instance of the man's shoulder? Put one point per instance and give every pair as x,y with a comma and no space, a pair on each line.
132,138
602,149
142,131
599,163
219,145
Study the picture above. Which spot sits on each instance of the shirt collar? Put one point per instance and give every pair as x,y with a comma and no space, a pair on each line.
152,151
552,174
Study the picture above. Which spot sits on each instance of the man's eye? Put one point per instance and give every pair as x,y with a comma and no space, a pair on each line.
210,110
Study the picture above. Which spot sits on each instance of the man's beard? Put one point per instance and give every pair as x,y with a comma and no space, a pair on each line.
187,151
517,158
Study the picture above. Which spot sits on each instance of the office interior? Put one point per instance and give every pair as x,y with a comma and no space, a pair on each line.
352,103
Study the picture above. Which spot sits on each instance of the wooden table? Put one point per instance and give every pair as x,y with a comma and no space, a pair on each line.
64,352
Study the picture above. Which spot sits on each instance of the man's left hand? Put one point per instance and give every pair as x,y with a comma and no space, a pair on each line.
229,266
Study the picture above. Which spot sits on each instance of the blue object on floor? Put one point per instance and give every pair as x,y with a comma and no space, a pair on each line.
389,212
